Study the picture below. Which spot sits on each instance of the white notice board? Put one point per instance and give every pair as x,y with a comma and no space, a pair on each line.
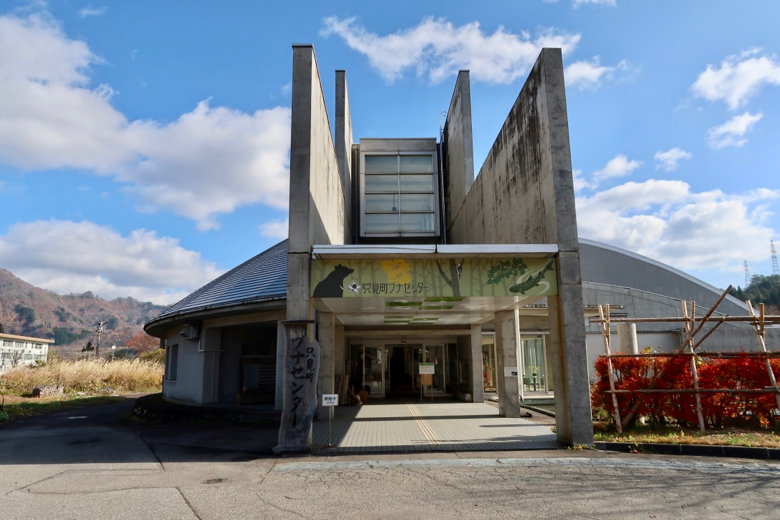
330,399
427,368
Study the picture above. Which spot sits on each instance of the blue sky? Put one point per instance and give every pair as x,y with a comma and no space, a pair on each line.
144,145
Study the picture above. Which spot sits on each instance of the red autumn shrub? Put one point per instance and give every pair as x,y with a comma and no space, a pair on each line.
719,409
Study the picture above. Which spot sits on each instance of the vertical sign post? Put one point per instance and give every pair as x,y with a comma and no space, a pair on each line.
329,401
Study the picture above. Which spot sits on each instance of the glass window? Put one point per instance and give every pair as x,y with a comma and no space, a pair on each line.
388,203
383,183
382,222
415,202
416,163
416,222
399,194
413,183
381,163
173,362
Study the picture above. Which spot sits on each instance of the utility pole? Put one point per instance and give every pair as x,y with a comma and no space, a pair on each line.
99,332
775,266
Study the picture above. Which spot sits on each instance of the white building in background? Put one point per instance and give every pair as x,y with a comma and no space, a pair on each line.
22,350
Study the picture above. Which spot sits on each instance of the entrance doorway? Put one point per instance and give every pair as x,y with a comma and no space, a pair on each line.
404,362
393,369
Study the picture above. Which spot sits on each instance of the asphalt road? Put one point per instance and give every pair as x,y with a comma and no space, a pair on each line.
89,463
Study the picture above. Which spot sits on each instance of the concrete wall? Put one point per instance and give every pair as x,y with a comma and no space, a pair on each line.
636,303
188,386
458,148
524,191
343,143
663,341
524,194
318,212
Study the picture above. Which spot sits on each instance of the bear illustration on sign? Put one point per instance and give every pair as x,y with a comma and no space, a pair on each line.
332,285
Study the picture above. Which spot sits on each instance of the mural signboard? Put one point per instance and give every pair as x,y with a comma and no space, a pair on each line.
428,277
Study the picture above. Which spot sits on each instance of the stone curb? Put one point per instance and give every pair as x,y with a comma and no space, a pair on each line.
538,410
699,450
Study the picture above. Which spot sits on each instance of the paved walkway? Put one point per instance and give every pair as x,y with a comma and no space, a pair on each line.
413,426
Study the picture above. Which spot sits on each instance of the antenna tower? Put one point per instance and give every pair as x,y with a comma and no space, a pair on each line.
775,267
747,275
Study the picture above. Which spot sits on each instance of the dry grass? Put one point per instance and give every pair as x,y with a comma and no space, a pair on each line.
86,376
729,437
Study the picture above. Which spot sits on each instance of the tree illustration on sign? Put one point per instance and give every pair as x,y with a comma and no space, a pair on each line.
506,269
532,281
456,269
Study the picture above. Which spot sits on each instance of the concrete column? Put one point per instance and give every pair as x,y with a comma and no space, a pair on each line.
477,382
279,394
340,351
627,342
506,358
326,332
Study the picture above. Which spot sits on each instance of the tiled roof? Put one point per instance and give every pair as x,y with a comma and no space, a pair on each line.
259,279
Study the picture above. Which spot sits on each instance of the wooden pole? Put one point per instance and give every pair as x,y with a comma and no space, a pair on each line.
605,333
689,332
760,330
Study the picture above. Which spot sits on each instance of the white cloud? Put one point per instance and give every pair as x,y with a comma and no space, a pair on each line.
665,221
669,160
92,11
580,3
437,49
620,166
738,78
588,74
730,133
275,228
66,256
208,161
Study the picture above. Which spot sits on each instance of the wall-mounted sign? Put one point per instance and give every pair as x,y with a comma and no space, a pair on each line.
330,399
428,277
427,368
510,372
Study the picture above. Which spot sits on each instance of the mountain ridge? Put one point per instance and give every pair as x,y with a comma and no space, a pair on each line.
71,320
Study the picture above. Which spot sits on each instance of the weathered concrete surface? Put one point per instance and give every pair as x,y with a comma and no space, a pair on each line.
326,336
477,378
524,194
458,147
343,142
507,338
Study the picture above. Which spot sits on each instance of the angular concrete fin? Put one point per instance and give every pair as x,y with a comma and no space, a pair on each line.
344,140
317,199
458,147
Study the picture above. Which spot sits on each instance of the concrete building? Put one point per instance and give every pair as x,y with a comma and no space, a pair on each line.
400,261
22,350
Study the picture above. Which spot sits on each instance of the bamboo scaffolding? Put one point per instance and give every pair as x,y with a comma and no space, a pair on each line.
689,343
690,331
607,338
724,355
760,330
767,390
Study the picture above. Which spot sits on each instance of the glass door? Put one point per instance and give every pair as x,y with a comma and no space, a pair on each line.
373,370
435,354
534,365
